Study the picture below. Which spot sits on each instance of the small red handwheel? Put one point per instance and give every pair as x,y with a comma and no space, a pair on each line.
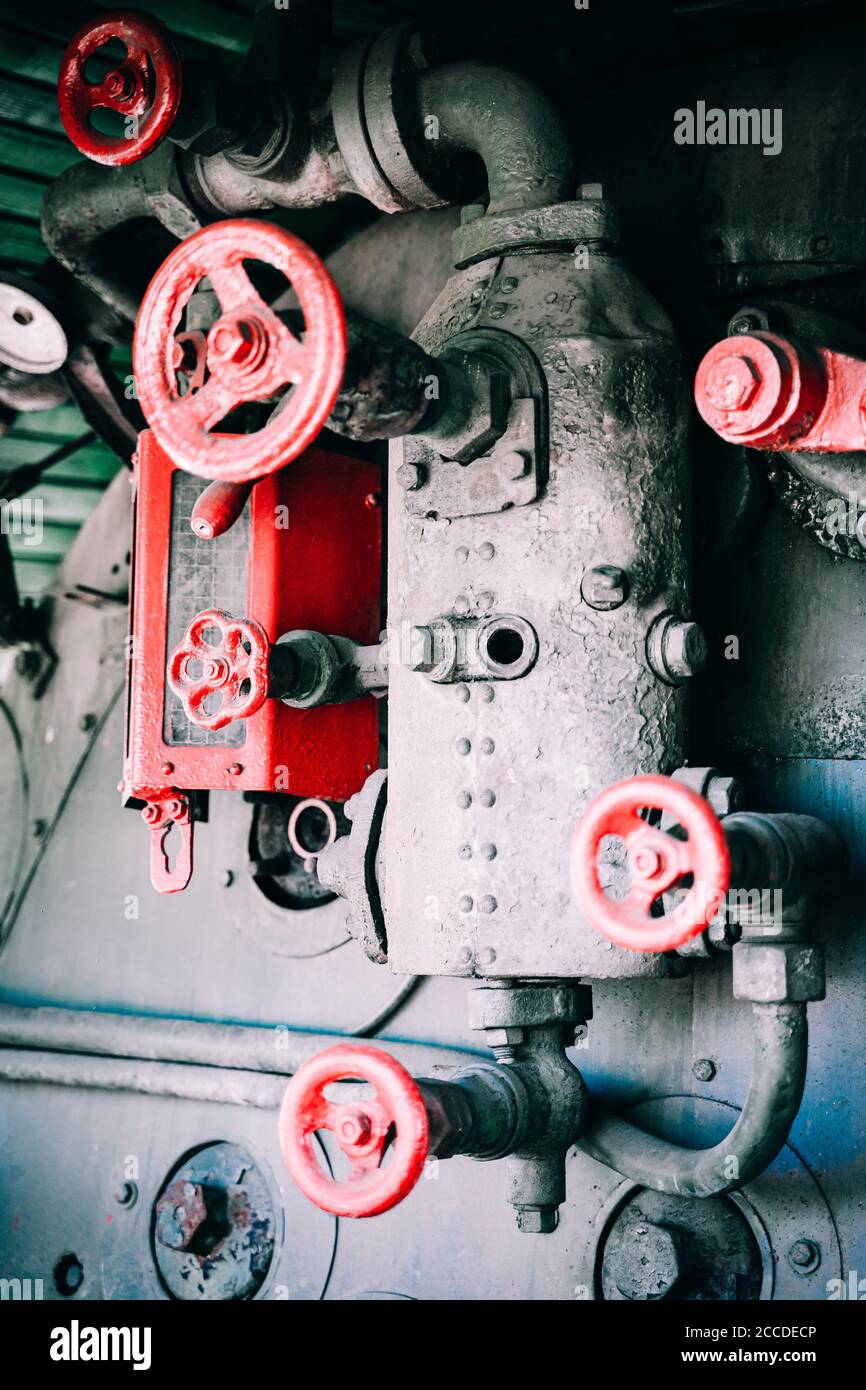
251,353
234,666
657,861
394,1118
144,88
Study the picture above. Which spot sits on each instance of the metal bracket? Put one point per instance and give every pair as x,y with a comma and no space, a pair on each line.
509,476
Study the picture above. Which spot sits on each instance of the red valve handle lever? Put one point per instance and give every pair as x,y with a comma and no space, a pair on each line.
234,667
218,508
657,861
251,354
770,392
145,87
392,1125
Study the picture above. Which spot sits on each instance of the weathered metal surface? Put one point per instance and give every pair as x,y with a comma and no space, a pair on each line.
796,618
618,493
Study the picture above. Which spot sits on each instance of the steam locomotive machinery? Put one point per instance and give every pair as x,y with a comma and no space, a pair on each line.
536,827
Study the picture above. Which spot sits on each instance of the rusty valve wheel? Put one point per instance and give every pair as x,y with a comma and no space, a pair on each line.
657,862
236,667
251,354
394,1119
144,88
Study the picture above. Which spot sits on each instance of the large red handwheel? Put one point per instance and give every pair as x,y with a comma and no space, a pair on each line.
251,353
144,87
657,862
235,666
394,1118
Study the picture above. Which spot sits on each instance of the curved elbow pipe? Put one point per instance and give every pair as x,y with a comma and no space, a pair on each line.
85,204
509,123
778,1077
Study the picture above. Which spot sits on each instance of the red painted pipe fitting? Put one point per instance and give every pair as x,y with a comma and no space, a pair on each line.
770,392
657,862
392,1125
145,88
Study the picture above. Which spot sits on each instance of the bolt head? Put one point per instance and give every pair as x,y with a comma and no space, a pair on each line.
604,587
804,1256
732,383
537,1221
704,1069
238,341
685,649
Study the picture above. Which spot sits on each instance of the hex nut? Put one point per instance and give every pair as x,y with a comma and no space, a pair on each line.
778,973
538,1221
676,648
505,1037
605,587
685,649
725,794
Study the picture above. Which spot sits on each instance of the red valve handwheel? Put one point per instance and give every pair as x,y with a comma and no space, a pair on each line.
362,1129
657,862
145,86
251,354
227,667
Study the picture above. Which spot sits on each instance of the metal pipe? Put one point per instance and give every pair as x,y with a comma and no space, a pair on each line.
85,203
778,1077
177,1080
238,1046
510,123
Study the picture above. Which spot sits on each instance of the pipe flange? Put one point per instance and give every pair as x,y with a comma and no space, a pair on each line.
383,142
412,158
573,224
347,114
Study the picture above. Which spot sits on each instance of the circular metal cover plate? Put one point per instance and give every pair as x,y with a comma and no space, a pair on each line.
31,338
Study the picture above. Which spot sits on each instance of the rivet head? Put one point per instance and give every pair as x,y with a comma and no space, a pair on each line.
486,601
487,550
465,851
464,800
461,604
488,851
487,903
488,797
486,957
487,745
463,746
488,694
462,554
465,903
463,693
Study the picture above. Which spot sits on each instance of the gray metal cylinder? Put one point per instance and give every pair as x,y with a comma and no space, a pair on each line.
489,776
